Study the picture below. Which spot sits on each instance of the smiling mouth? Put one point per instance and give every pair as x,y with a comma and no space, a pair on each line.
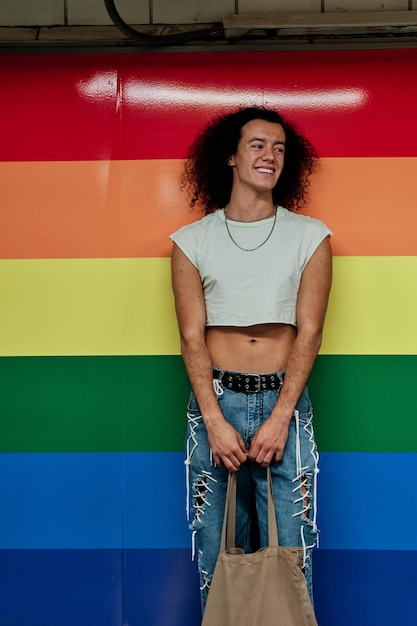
265,170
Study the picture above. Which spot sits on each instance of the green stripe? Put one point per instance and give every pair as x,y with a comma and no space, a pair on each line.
137,403
92,404
365,403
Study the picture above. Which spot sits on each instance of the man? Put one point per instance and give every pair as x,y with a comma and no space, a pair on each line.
251,282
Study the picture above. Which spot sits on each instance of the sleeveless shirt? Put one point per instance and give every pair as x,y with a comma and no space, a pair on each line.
243,288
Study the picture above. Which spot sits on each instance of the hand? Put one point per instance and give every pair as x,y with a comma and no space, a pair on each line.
269,442
227,446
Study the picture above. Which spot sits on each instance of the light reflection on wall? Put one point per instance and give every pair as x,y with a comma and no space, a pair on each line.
102,86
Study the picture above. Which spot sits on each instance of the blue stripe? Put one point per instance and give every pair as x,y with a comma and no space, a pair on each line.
160,588
93,500
136,500
365,588
98,588
365,501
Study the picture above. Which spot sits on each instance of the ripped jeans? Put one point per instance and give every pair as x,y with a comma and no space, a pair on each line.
294,481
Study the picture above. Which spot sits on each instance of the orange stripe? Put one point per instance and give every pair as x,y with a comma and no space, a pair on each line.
128,208
369,203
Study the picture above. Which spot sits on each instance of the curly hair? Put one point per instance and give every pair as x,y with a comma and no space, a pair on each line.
208,177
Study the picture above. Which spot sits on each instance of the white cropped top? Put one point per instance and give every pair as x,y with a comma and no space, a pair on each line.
244,288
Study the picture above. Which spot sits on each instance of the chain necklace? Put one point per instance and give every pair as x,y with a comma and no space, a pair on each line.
256,247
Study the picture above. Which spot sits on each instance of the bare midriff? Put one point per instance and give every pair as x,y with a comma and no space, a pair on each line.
263,348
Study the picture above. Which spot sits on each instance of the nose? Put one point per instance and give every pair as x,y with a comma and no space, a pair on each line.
268,153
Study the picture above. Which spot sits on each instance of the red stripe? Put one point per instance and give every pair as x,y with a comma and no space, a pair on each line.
150,105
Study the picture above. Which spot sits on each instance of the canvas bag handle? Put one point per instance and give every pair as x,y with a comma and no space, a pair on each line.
228,538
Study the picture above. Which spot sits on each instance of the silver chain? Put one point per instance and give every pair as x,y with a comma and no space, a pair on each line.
261,244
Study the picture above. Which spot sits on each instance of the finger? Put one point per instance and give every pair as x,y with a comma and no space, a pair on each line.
232,467
217,460
278,456
242,446
265,456
260,457
254,452
242,455
265,462
233,462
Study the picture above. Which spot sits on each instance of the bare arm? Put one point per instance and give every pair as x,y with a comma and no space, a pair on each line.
226,444
269,441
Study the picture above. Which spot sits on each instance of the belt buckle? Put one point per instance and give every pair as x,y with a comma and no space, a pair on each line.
253,383
257,383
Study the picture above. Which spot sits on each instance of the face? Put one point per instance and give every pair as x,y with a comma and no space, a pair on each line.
259,157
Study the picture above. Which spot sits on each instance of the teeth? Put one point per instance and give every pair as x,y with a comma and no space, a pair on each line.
265,169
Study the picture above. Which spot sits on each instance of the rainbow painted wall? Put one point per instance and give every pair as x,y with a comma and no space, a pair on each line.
92,524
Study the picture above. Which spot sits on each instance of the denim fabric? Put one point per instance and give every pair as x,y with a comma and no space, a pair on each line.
294,482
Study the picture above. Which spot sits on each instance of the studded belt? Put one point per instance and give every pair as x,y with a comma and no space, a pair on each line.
247,383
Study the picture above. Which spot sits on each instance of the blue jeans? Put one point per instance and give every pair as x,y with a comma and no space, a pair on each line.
294,482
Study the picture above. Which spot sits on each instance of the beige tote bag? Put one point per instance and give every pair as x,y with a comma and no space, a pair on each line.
266,588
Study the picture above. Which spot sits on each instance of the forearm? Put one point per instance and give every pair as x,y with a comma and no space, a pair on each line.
311,310
226,444
269,441
299,365
199,368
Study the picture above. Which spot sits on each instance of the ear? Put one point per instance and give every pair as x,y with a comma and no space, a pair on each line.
231,161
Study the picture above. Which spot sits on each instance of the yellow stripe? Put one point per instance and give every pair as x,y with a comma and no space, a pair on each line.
125,306
373,306
87,307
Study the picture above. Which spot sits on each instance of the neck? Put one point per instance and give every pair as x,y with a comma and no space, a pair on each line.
250,207
247,213
246,217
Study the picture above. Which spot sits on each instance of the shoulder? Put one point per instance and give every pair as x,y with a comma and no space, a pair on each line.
195,229
191,238
304,223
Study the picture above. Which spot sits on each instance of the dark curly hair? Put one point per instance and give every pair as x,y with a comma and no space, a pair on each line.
208,177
